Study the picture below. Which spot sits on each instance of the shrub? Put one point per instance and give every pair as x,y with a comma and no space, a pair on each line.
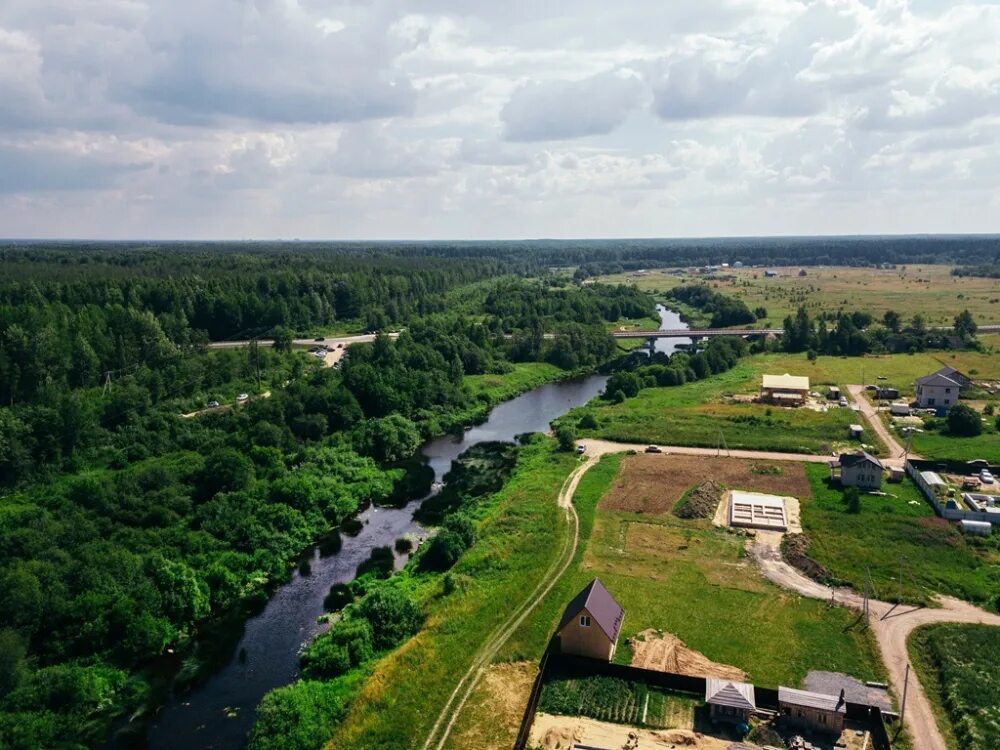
964,421
298,717
348,644
566,436
392,616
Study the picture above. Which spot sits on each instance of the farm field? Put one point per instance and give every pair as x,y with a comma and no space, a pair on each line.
957,667
901,525
930,290
694,580
695,413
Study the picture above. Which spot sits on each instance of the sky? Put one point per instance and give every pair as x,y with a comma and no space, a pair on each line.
463,119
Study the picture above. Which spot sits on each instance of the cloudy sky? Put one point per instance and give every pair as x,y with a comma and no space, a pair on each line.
474,119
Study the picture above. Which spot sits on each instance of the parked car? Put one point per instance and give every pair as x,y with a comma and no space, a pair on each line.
213,404
319,338
653,449
581,448
986,477
243,398
843,401
340,346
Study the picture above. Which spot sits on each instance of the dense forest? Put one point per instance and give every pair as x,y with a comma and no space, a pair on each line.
127,528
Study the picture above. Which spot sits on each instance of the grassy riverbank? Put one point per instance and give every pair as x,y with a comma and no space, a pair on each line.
519,530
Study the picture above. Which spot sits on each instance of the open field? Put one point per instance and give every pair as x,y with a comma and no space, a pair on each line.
695,413
939,444
653,484
695,581
523,377
957,668
930,290
939,558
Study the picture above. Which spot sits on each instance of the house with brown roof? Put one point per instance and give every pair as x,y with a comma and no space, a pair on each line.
729,701
591,623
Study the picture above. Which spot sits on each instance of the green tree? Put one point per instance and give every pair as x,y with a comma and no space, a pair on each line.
852,498
965,326
566,436
892,321
964,421
390,438
12,653
282,339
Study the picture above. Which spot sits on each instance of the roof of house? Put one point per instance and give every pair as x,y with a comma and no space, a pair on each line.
603,609
728,693
847,460
793,382
808,699
946,376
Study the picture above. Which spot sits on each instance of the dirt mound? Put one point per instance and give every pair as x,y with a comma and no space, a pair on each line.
665,652
795,550
702,501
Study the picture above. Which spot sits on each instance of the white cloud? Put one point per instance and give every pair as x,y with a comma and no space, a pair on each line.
443,118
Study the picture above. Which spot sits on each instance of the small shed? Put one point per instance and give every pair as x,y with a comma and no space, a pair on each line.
855,431
729,701
812,711
591,623
896,474
976,528
833,393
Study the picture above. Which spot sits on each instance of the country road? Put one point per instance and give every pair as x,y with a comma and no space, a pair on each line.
891,624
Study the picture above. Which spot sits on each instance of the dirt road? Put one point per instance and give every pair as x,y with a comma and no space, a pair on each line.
896,451
891,624
597,447
440,731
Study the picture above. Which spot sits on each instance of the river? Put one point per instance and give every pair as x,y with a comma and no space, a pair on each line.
218,715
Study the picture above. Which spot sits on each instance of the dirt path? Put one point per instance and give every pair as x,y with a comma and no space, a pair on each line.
896,451
596,447
891,624
456,701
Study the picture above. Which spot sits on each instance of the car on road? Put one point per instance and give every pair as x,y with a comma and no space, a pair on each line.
213,404
340,345
986,476
843,401
653,449
581,448
243,398
319,338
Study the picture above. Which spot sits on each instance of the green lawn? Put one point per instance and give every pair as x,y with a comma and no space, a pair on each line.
493,389
693,580
941,445
939,558
695,413
957,668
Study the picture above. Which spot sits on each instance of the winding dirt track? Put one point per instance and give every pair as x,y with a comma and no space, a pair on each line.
892,625
456,701
896,451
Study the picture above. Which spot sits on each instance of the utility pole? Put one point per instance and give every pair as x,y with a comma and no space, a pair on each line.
256,353
906,685
107,383
868,584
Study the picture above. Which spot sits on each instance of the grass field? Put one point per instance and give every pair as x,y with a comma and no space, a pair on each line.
929,290
518,538
695,413
938,558
693,580
493,389
957,667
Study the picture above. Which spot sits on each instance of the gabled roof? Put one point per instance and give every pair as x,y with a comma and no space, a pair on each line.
728,693
946,376
794,382
808,699
854,459
603,609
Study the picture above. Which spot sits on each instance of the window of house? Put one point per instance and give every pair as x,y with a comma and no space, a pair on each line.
585,621
930,402
947,390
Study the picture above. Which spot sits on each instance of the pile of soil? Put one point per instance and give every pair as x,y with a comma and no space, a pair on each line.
665,652
702,501
795,550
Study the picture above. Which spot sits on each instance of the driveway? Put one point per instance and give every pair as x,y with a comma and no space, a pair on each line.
896,451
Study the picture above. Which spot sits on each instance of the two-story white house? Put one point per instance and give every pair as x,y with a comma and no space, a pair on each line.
941,390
